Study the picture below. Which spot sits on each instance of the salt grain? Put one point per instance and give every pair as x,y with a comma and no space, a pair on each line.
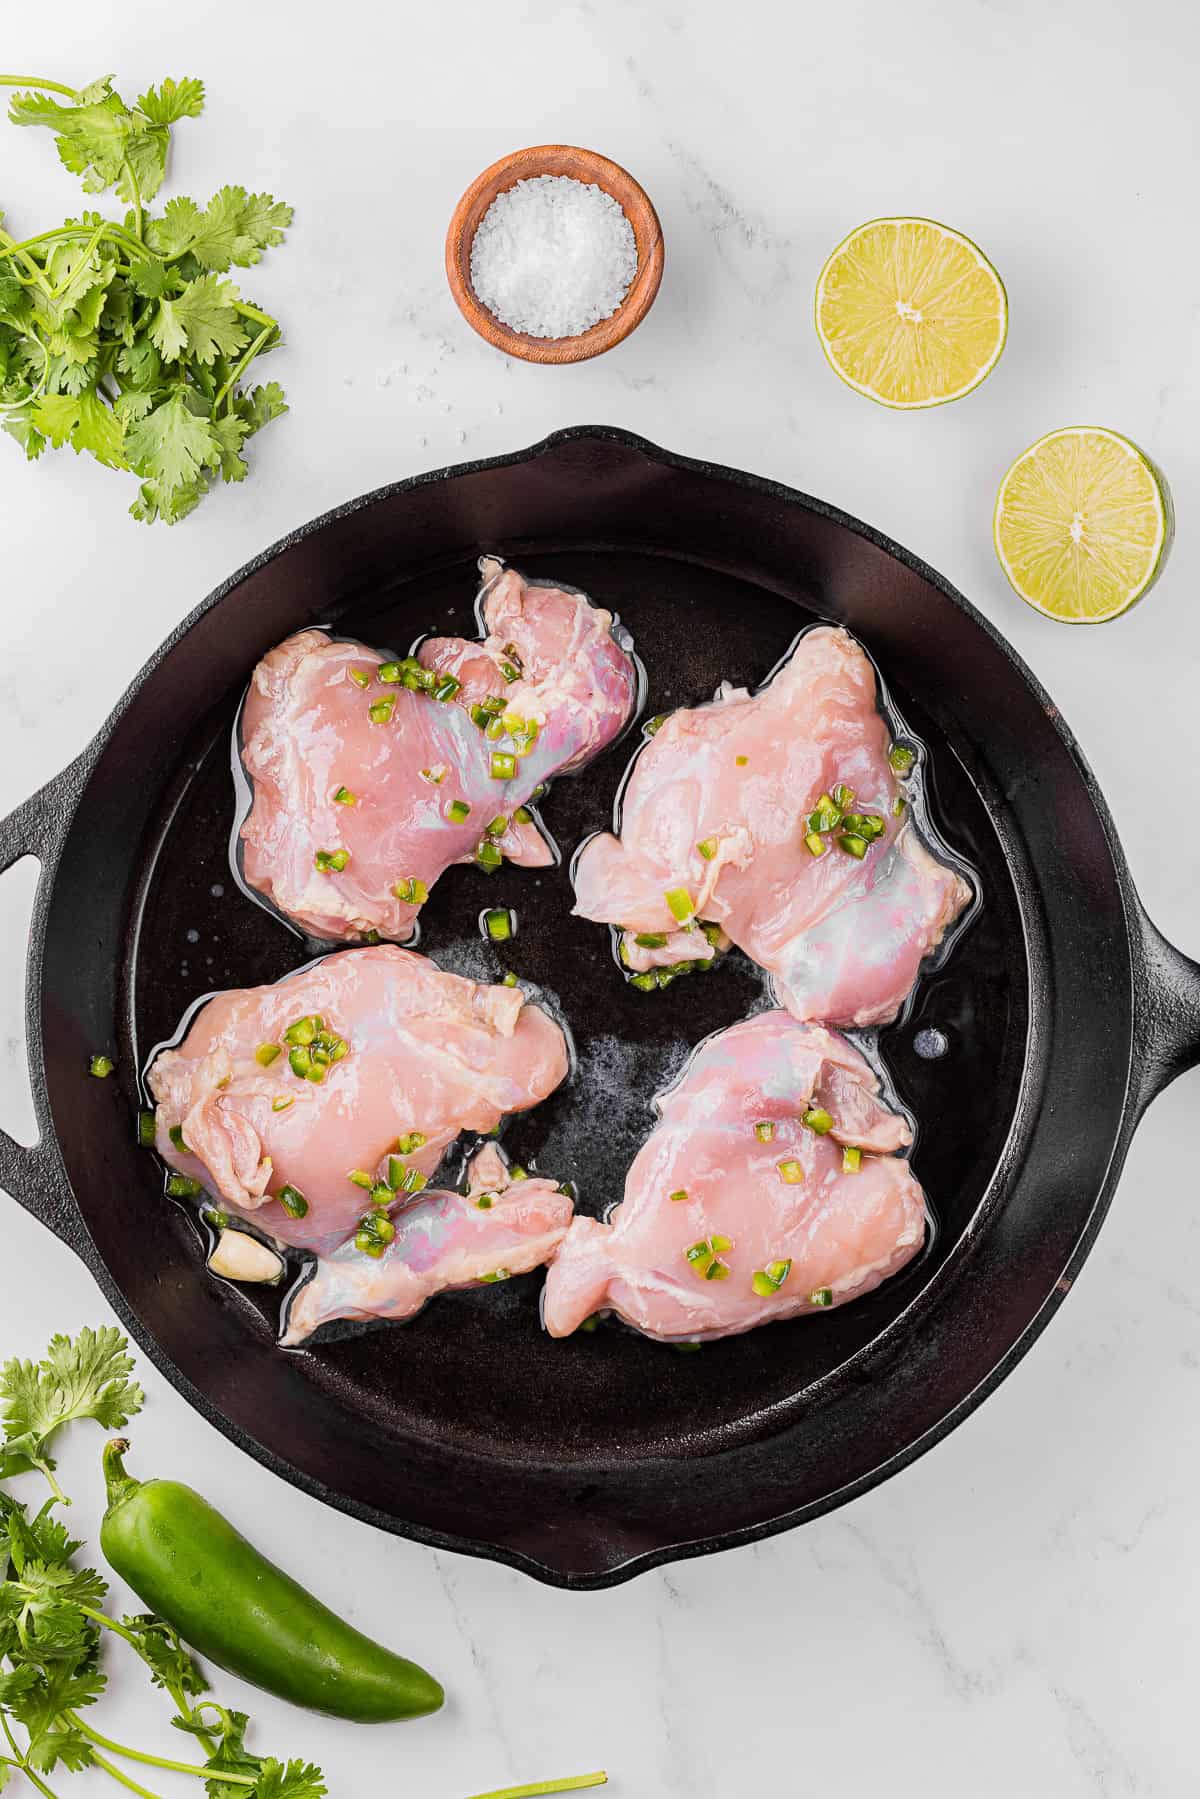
553,256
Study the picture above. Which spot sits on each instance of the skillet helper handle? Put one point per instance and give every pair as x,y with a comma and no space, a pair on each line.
35,1176
1167,1022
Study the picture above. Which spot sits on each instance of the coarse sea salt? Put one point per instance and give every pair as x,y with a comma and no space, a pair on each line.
553,256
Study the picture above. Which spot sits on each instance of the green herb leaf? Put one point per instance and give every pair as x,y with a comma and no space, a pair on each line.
172,100
87,1377
172,445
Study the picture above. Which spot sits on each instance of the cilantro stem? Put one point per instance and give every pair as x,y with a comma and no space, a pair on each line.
245,359
7,244
153,1761
55,87
548,1786
124,1780
127,169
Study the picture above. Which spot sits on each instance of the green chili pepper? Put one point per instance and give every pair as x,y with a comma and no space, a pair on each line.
228,1602
101,1067
147,1129
457,811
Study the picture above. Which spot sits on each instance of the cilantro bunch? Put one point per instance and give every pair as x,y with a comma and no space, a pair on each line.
120,337
52,1618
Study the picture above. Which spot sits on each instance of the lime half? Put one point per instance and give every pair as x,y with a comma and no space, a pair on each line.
910,312
1083,524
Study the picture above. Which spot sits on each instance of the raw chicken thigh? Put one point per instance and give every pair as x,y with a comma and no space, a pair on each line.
768,1188
334,1093
370,777
778,817
500,1227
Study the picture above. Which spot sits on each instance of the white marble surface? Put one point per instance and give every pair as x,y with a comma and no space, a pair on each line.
1016,1613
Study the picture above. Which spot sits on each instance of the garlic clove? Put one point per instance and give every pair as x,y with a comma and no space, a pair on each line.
240,1257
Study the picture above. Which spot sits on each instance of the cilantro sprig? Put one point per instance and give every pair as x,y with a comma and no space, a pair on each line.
52,1616
120,337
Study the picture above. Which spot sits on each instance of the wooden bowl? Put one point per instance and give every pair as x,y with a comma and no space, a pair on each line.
581,165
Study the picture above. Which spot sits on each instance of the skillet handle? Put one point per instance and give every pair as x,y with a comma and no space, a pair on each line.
35,1176
1167,1017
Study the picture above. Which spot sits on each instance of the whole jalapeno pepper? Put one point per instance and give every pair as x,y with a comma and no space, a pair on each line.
232,1605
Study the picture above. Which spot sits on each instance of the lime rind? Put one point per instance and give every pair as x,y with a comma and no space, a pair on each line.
1157,552
862,387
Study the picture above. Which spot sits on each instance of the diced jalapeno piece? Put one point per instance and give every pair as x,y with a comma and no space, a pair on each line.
361,1178
851,1158
708,847
498,924
816,844
176,1135
764,1130
411,1142
293,1202
457,811
680,904
485,1201
266,1053
182,1186
280,1103
502,765
819,1120
821,1296
791,1171
147,1130
446,687
901,758
679,1194
489,856
101,1067
361,677
645,983
380,711
853,845
654,725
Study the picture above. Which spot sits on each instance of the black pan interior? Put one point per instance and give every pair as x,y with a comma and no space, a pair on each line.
583,1460
586,1398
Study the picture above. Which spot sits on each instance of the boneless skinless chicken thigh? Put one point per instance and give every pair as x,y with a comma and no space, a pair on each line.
499,1227
769,1187
370,777
340,1088
778,817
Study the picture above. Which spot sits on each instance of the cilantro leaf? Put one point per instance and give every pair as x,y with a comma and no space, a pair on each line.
232,433
295,1780
172,234
170,1664
87,1377
19,424
261,405
264,220
200,320
173,100
62,1743
171,445
56,415
92,134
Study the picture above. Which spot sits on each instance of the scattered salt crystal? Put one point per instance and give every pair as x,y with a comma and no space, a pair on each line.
553,256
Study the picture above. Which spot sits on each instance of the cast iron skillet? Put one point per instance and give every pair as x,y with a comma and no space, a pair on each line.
583,1462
